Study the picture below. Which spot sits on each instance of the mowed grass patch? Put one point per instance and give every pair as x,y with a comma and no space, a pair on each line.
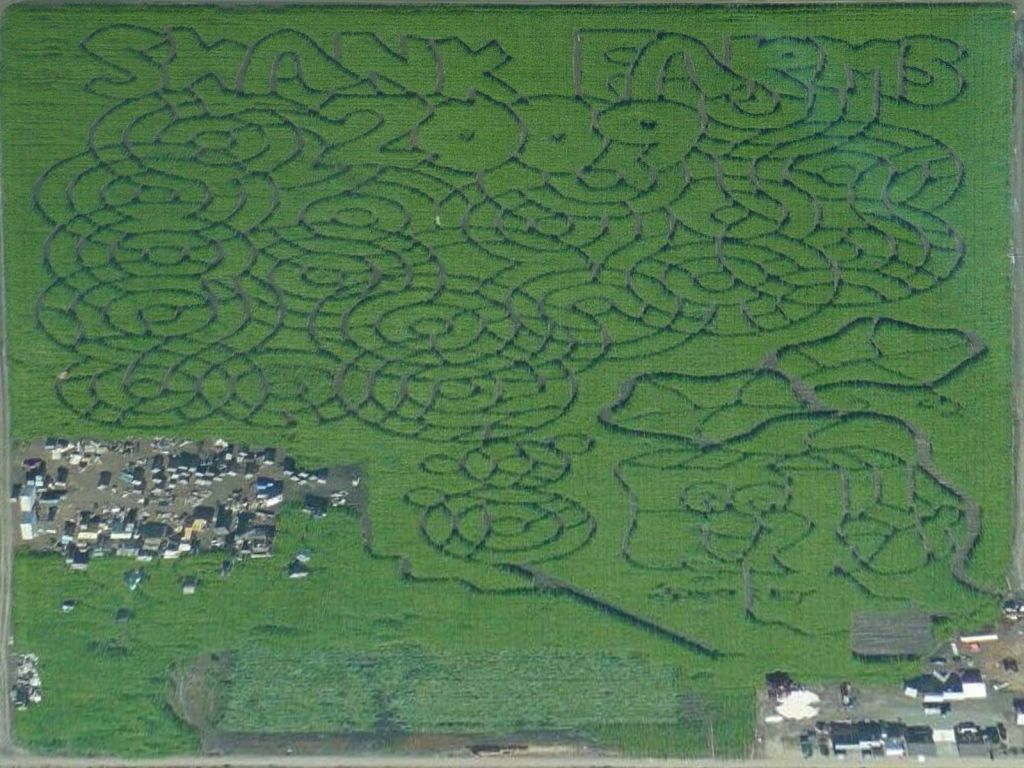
349,648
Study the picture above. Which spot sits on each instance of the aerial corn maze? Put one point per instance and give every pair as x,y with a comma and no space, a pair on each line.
668,339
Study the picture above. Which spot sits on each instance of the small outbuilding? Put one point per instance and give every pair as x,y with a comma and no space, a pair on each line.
79,559
973,684
970,741
316,505
29,521
920,741
982,636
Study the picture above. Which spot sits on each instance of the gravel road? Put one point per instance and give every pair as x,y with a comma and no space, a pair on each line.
382,761
1016,577
6,520
524,761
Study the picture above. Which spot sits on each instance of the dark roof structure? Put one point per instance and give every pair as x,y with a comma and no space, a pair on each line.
936,684
919,734
852,735
315,504
80,557
971,676
900,634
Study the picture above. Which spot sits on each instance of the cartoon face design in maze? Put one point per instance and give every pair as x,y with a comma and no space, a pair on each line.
798,470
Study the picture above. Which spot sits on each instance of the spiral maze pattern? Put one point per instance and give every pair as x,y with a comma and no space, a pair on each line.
203,226
293,233
493,504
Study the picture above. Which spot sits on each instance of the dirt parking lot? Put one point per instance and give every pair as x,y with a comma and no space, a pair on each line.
887,702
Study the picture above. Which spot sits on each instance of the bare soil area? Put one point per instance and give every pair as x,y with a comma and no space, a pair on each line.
521,745
196,688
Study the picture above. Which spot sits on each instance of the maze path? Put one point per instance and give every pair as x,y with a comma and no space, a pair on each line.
300,230
280,187
491,505
762,459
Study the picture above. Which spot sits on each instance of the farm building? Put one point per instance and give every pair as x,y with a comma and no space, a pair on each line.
974,684
223,520
920,741
941,686
29,521
975,741
874,739
868,737
256,541
27,499
78,559
269,491
893,634
184,463
315,505
122,525
935,688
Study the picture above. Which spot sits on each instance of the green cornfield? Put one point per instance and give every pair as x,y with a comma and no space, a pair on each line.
667,338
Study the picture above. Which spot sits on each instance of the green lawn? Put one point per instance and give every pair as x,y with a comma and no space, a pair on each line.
667,338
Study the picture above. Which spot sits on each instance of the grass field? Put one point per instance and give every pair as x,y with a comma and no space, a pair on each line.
668,339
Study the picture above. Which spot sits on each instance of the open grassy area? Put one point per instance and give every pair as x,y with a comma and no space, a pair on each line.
668,338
